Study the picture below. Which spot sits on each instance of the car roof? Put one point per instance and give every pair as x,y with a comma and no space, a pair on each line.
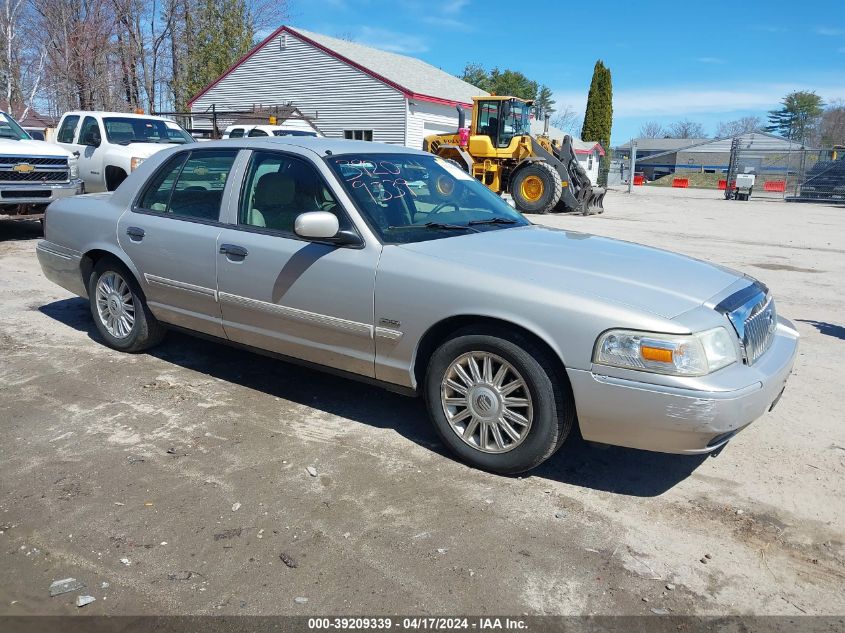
126,115
318,145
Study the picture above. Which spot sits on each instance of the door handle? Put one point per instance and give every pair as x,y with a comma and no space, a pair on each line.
135,233
233,250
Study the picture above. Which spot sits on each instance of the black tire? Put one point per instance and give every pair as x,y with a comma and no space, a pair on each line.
146,331
552,188
554,410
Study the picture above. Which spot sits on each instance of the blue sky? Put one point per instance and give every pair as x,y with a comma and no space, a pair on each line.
708,62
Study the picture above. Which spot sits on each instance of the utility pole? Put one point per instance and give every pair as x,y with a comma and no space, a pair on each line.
633,165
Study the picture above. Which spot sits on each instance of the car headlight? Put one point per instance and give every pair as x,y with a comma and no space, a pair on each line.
679,355
135,163
73,167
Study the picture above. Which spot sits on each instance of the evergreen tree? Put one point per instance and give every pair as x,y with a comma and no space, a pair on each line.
798,115
598,117
476,75
223,31
501,82
544,104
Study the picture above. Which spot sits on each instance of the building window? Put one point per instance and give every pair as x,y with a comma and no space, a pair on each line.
358,135
590,162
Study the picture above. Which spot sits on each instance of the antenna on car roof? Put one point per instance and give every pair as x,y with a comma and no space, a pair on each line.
328,152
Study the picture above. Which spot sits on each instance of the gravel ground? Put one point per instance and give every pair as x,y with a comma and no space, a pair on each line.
180,477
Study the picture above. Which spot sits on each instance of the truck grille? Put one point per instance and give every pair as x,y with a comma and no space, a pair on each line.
753,314
33,169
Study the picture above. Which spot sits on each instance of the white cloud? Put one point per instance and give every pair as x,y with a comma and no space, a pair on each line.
454,6
769,28
710,60
392,41
826,30
448,23
680,101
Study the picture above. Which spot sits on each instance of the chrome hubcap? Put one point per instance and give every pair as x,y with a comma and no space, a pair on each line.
115,305
487,402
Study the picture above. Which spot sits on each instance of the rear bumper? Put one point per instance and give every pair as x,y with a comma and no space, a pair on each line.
61,266
652,417
36,192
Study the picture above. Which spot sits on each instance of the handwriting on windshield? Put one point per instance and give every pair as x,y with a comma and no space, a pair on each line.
377,178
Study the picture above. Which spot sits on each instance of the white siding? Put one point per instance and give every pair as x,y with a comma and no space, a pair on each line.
341,96
426,118
592,171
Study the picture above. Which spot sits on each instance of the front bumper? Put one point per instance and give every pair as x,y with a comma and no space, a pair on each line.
36,192
627,412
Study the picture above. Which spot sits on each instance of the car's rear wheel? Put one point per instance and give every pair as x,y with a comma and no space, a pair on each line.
119,309
497,401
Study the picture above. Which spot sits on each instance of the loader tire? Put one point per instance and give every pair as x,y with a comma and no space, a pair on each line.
536,188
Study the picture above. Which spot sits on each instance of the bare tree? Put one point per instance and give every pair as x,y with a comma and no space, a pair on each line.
652,129
567,119
832,129
23,57
686,129
739,126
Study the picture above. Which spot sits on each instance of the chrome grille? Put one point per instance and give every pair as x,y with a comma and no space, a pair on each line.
759,330
11,161
35,169
33,176
752,313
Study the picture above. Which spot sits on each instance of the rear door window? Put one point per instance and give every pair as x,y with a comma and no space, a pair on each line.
190,185
238,132
65,134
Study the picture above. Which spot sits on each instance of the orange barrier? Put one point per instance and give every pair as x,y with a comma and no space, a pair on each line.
680,183
775,185
639,180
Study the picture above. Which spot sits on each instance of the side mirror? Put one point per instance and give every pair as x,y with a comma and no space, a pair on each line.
92,139
316,225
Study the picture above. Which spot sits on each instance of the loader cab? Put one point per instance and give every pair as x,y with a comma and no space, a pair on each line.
500,120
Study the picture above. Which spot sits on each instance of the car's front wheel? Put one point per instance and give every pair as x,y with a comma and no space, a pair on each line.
497,401
119,309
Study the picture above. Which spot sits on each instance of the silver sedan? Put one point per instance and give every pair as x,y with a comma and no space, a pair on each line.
392,266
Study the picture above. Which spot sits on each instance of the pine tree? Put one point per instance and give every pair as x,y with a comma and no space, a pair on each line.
544,104
798,115
598,117
223,31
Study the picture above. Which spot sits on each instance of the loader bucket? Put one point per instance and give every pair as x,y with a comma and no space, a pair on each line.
596,202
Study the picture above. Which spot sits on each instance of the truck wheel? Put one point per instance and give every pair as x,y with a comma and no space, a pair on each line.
536,188
114,177
119,309
495,400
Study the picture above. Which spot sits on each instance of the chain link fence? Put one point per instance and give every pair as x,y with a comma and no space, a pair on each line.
796,175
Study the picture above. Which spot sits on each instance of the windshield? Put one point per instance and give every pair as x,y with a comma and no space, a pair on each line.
412,198
9,128
517,122
125,130
293,133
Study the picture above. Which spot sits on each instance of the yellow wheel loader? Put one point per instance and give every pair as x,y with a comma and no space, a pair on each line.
499,150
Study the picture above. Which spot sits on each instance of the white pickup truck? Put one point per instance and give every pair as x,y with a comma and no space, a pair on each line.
111,145
32,173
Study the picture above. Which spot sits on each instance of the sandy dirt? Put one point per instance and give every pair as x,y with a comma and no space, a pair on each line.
179,476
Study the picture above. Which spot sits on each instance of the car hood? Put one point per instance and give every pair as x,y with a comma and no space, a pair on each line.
145,150
30,147
650,279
